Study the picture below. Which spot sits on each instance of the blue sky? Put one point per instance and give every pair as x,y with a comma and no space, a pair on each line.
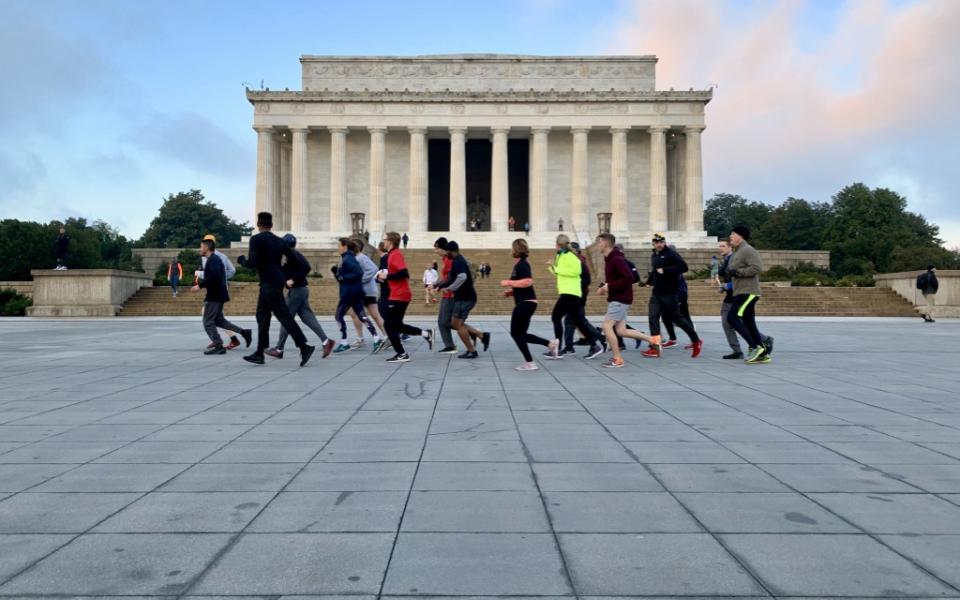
107,106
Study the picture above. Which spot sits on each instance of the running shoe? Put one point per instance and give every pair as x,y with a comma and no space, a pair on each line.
247,336
357,344
595,351
342,348
755,354
384,344
255,358
469,354
429,338
733,356
527,366
305,353
568,350
274,352
768,345
766,358
697,347
448,350
668,344
399,358
553,350
653,352
613,363
327,348
218,349
688,347
234,342
376,346
485,340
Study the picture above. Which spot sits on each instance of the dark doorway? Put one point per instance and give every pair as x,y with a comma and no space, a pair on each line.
479,163
518,165
438,185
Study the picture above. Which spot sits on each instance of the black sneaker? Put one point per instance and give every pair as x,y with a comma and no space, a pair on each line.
429,338
399,358
448,350
469,354
255,358
768,345
595,351
247,336
218,349
733,356
485,340
568,350
305,353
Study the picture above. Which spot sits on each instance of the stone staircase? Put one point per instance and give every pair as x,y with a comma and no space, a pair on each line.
704,300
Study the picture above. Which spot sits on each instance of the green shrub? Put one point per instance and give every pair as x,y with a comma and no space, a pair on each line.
776,273
855,281
13,304
811,280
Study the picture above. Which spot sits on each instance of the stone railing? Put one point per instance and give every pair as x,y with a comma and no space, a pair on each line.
946,301
83,292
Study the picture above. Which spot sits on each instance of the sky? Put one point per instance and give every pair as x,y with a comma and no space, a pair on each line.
108,106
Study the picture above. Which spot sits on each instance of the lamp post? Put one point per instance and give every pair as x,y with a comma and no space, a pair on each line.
357,223
603,221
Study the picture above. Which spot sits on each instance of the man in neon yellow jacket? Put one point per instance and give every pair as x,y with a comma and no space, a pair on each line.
566,266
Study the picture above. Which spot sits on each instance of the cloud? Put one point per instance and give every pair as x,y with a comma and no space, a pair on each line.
196,142
870,98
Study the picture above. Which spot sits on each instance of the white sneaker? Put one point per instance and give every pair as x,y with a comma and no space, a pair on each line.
553,350
357,344
527,366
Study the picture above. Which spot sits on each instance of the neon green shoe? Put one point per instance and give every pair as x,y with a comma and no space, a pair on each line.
755,354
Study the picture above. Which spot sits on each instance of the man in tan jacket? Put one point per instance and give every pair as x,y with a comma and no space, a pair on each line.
744,270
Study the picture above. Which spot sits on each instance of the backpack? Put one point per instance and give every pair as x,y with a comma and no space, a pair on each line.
922,281
634,271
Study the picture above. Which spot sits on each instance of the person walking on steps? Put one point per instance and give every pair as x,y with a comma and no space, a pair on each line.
350,275
405,241
214,281
666,266
398,277
928,285
460,282
567,268
298,301
618,287
445,314
266,250
60,246
520,286
744,270
174,275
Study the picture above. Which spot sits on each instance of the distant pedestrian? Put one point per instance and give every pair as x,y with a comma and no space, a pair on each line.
560,224
526,228
174,275
430,277
61,246
406,240
511,223
928,285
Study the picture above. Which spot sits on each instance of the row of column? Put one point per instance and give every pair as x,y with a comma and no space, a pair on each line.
267,199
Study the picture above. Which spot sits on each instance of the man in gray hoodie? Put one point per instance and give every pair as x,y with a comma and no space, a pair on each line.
744,271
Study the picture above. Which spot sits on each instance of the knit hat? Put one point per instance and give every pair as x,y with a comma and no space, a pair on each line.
743,231
291,240
452,246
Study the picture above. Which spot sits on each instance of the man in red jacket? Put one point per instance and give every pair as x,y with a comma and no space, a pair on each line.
398,278
618,286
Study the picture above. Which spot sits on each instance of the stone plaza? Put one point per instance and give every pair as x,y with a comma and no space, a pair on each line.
132,466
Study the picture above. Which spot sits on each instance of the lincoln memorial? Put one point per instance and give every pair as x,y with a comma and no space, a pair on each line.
460,145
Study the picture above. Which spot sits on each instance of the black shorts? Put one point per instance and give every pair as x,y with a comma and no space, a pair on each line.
368,300
462,308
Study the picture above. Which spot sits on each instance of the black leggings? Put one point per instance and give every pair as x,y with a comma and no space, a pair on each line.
519,324
741,317
356,303
668,308
393,323
569,305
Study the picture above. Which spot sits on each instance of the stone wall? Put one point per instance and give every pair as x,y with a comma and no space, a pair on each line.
946,301
83,292
21,287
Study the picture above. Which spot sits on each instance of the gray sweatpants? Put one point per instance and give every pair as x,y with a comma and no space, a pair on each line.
213,318
728,329
443,322
298,301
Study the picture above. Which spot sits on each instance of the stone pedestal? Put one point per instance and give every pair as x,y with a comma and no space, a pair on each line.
83,292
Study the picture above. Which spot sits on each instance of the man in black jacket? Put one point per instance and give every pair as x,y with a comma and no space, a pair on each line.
928,285
666,266
214,280
61,245
266,251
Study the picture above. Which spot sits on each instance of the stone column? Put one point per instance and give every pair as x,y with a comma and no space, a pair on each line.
418,179
458,179
579,194
620,221
298,180
538,199
377,212
694,180
281,218
658,179
500,182
339,223
266,169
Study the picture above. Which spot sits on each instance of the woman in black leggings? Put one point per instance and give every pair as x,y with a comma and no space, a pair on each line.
520,286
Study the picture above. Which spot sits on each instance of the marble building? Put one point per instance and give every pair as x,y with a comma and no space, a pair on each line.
456,145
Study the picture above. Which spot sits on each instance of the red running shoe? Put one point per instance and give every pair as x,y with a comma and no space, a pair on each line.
669,344
697,347
327,348
234,342
652,352
688,347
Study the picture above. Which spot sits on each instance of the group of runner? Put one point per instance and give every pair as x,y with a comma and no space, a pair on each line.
376,298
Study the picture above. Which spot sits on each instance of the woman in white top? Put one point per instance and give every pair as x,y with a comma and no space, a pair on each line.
430,276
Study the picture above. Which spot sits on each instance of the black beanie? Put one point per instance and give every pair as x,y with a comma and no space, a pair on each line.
452,246
743,231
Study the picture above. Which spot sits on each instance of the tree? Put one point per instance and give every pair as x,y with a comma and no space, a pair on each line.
724,211
796,225
185,218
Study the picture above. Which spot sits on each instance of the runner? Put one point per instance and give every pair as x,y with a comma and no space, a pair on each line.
298,301
398,277
726,287
744,268
383,298
446,299
214,281
568,322
520,287
460,282
618,286
370,303
566,266
350,275
231,271
666,266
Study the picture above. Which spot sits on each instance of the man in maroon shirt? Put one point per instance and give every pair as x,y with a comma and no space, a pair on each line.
618,286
